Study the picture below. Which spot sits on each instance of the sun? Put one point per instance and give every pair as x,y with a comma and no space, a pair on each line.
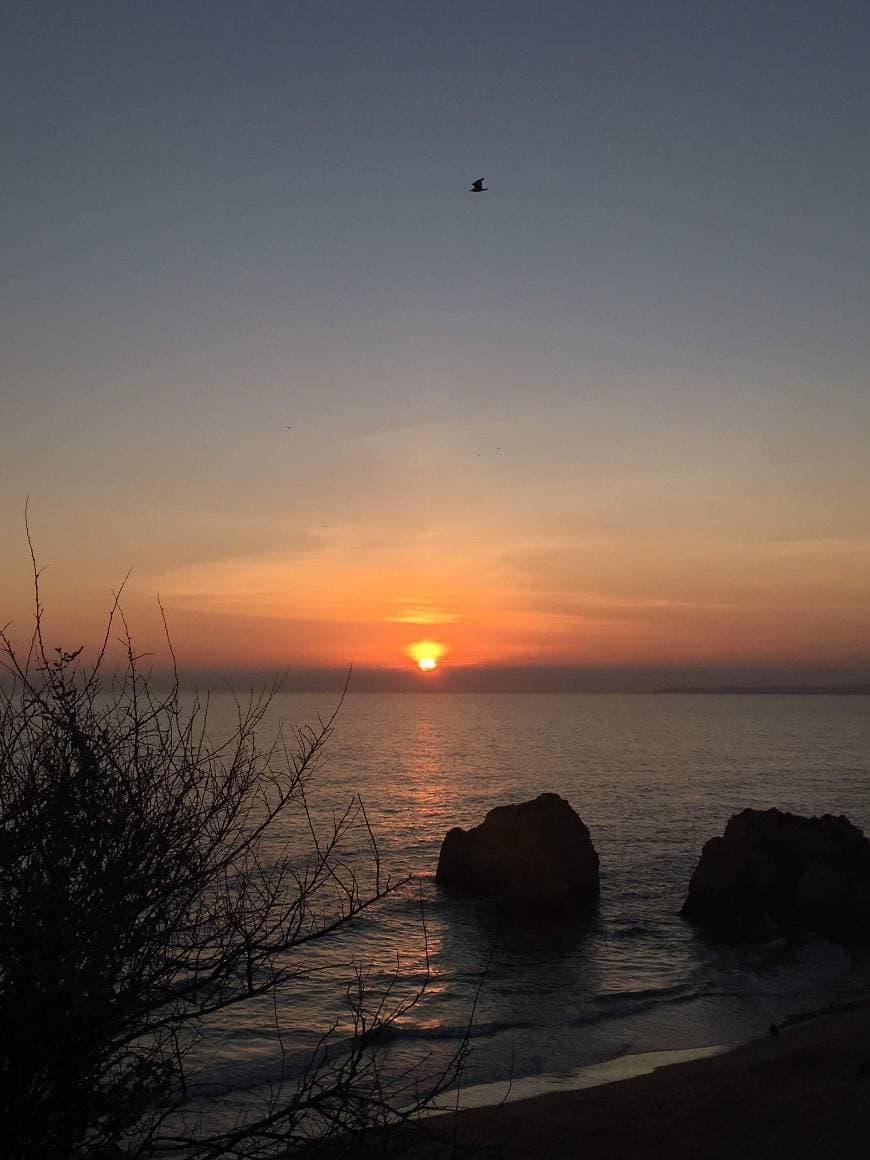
426,654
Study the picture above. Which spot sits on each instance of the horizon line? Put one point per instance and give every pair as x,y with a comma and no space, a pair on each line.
710,677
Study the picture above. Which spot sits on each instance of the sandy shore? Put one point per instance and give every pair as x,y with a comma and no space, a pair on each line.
805,1093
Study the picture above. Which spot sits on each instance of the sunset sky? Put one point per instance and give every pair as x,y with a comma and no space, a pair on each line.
260,345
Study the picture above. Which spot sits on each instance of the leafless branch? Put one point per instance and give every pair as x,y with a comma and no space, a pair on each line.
152,880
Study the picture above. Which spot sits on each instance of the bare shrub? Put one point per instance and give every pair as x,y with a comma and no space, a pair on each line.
150,881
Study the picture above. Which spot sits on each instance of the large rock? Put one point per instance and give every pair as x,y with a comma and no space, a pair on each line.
813,872
536,856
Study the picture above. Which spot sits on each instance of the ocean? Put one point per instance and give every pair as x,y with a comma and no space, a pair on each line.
653,777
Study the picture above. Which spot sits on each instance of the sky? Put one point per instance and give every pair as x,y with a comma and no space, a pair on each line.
607,421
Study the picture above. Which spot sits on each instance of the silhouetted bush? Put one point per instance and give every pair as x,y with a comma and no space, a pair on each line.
150,880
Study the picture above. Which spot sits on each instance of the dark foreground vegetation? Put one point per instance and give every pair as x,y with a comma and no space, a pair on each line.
148,884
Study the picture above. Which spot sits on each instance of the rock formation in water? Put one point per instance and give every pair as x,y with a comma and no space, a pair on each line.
813,872
536,856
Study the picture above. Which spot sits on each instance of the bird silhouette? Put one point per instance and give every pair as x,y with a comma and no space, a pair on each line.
478,186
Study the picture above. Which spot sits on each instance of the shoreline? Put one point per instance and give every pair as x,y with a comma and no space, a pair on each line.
628,1066
620,1068
807,1089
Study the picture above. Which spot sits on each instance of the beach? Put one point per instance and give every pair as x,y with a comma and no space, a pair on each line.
805,1092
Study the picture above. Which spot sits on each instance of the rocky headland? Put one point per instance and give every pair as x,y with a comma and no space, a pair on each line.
812,872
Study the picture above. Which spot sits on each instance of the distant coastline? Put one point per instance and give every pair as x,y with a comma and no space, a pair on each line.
787,690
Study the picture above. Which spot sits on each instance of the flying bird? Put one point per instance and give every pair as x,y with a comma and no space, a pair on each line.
478,186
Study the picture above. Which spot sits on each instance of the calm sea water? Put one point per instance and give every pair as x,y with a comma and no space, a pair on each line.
652,777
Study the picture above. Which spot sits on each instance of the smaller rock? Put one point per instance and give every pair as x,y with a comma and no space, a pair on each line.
536,856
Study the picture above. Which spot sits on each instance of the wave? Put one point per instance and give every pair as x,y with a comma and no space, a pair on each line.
630,932
393,1032
654,993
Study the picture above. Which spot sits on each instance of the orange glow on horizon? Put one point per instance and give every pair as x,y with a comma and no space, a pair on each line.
630,601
